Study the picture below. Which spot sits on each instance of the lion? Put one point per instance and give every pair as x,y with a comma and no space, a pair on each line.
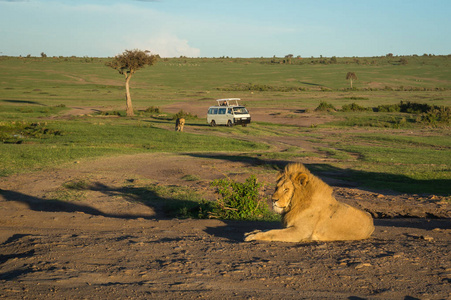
311,213
179,123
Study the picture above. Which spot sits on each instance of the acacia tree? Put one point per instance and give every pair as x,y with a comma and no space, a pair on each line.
351,76
127,64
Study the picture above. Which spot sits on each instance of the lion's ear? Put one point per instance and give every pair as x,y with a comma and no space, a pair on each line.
301,178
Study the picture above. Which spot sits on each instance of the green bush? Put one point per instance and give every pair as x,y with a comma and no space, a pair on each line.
388,108
435,116
414,108
357,98
406,107
324,106
111,113
403,61
353,107
240,201
185,115
152,109
17,132
259,88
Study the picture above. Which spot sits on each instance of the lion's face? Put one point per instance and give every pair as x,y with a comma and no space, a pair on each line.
285,189
281,198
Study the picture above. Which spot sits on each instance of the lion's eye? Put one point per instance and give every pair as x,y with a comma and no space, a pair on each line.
285,190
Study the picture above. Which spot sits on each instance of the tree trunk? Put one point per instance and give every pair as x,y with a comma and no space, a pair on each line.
128,99
351,82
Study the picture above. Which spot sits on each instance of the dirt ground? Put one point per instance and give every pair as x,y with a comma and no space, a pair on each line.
108,246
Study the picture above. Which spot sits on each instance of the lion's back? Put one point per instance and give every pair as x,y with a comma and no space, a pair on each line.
344,222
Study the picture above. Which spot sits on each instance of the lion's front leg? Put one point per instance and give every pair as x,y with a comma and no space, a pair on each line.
277,235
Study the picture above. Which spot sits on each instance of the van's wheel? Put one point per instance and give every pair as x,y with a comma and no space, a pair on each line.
212,123
229,123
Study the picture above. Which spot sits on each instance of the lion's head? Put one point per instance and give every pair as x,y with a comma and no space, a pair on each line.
292,179
295,188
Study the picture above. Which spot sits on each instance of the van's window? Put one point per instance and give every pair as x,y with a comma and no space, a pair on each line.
229,111
210,111
222,111
240,110
215,111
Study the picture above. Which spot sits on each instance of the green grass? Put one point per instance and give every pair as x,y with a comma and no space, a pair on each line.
390,160
69,192
10,112
96,136
79,81
378,150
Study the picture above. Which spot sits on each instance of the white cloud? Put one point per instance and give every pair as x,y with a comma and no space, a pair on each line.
167,45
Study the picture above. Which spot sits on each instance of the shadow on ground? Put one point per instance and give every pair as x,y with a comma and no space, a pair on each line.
370,181
132,194
23,102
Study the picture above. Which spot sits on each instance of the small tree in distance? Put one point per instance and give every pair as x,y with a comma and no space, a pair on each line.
127,64
351,76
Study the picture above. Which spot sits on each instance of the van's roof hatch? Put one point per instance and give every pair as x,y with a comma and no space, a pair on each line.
229,101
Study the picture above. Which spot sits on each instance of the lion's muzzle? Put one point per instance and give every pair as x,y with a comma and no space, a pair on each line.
276,205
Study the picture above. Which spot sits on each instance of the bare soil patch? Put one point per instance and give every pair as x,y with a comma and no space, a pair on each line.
106,245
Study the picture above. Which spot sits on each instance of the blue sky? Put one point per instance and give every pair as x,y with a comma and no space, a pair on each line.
235,28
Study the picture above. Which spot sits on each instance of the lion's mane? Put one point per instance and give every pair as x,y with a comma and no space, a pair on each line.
303,197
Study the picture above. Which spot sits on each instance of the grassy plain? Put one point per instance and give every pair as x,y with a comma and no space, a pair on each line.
380,150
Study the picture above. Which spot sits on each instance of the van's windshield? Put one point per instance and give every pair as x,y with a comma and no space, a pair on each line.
240,110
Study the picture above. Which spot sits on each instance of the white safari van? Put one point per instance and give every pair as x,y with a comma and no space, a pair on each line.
228,112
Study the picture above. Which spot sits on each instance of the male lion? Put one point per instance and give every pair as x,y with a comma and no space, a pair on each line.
311,213
179,123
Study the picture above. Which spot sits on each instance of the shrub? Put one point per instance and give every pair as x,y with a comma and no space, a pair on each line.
185,115
437,115
388,108
405,107
260,88
430,115
17,132
414,108
357,98
240,201
324,106
111,113
353,107
152,109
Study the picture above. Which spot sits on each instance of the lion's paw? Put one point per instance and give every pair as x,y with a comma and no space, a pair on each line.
251,236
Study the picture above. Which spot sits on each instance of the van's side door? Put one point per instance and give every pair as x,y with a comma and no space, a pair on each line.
222,116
